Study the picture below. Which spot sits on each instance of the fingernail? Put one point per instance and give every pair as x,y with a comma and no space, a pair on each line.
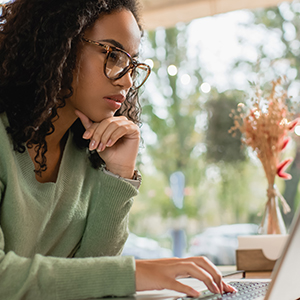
100,147
86,135
216,289
92,145
221,288
231,288
109,143
195,294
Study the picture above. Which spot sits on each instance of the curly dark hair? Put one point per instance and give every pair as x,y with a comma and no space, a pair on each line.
38,47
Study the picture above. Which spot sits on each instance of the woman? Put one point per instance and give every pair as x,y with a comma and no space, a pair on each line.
68,93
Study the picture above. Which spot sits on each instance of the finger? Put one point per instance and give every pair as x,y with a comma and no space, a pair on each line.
93,136
90,129
210,268
109,141
228,288
86,122
100,133
114,135
182,288
195,271
111,131
88,125
203,263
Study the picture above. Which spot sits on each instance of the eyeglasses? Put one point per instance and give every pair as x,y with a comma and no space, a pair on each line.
118,62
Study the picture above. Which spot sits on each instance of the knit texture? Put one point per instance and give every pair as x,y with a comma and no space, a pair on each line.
61,241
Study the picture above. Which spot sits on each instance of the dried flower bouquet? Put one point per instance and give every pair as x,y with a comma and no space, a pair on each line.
265,129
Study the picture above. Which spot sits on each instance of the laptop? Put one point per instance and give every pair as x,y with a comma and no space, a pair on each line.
285,279
283,285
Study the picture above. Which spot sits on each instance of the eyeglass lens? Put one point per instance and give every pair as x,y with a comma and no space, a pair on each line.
117,63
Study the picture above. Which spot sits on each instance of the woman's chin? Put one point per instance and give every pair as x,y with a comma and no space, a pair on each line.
97,118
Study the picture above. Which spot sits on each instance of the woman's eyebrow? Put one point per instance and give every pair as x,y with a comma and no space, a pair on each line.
119,45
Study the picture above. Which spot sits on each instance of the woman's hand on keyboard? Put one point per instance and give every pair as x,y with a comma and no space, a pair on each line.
161,274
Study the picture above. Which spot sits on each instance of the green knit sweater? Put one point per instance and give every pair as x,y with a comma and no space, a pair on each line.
60,240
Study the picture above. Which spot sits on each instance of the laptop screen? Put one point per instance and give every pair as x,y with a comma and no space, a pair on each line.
286,275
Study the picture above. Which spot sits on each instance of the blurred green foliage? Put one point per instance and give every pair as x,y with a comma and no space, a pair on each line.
221,145
224,184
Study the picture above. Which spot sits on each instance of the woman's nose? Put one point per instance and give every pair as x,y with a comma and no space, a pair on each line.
125,81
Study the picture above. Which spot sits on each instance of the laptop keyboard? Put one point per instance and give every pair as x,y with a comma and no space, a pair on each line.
246,291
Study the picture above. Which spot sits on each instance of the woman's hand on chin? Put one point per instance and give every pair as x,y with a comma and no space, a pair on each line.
162,273
117,141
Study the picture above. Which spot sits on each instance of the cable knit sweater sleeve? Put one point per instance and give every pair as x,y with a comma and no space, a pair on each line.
59,241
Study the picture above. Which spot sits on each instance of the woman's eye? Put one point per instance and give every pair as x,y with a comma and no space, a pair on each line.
114,55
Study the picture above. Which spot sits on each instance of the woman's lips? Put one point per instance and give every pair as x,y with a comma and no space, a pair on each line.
118,98
115,101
